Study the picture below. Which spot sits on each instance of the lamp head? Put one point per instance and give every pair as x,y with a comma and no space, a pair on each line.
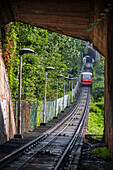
59,75
70,78
66,78
49,68
25,50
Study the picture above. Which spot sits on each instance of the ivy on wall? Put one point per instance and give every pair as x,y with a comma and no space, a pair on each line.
51,49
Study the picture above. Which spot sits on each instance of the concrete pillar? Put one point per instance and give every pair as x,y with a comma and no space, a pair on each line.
109,86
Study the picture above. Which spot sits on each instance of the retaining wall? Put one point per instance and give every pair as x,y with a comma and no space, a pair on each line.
7,124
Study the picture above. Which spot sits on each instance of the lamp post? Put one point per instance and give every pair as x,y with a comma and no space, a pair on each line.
44,112
73,86
56,110
69,92
21,52
66,78
72,90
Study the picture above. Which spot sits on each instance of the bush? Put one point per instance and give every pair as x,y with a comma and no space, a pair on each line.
96,113
96,118
101,152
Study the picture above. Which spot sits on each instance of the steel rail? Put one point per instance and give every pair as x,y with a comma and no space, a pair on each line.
50,140
74,139
16,153
65,126
79,142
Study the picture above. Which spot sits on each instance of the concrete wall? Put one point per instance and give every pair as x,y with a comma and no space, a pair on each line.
103,42
7,124
109,86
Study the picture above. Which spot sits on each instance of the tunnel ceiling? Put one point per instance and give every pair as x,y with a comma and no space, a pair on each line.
68,17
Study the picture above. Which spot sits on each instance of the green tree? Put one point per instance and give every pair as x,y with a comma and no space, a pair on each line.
51,49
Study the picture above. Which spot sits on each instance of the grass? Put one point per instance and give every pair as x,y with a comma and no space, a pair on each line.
96,118
96,113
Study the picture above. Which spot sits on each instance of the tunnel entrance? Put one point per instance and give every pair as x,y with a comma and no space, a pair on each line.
64,53
90,21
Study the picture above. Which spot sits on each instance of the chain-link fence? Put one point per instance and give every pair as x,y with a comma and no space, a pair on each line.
32,112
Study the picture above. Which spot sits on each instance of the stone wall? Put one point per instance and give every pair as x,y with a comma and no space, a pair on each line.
7,124
109,86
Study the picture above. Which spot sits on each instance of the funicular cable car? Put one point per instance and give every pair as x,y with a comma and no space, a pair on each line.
86,79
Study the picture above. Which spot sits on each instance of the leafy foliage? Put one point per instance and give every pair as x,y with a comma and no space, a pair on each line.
103,15
96,119
96,115
98,80
101,152
51,49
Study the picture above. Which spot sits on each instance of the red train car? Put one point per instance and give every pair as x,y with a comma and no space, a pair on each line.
86,78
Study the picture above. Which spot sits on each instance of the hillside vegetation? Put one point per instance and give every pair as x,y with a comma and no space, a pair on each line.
51,49
96,115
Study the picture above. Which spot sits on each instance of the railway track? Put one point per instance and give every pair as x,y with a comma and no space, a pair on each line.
57,148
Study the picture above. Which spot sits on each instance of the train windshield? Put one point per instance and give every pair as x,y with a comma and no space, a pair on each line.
85,76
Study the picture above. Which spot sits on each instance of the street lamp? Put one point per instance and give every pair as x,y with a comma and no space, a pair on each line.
21,52
73,86
44,112
66,78
56,110
72,90
69,92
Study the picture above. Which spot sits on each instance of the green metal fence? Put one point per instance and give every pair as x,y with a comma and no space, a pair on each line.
32,112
